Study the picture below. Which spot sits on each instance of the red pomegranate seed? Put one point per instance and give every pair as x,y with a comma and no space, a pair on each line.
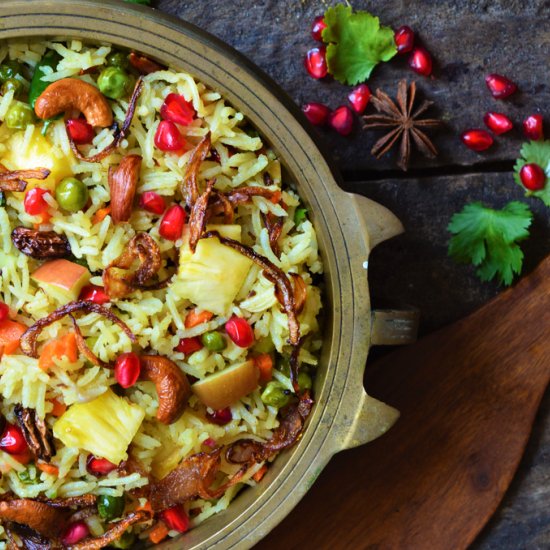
420,61
171,224
317,28
359,98
152,202
168,137
341,120
240,331
127,369
99,466
93,293
176,519
80,131
532,127
34,202
316,113
189,345
500,86
75,533
177,109
316,62
12,440
209,442
4,311
221,417
498,123
404,39
477,140
533,177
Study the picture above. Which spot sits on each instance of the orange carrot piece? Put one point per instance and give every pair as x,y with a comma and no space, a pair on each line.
66,345
58,408
48,468
101,214
193,318
276,197
260,473
145,507
158,533
264,363
10,334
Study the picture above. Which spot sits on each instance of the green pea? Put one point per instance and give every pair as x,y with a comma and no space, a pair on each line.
114,82
28,475
300,215
304,381
2,199
71,194
283,365
275,395
125,541
9,69
19,116
110,507
213,341
118,59
12,84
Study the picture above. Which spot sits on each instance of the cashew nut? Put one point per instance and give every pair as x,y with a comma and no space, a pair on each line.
70,93
172,386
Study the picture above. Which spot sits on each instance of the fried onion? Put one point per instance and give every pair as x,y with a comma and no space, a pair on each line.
38,516
197,219
190,186
14,180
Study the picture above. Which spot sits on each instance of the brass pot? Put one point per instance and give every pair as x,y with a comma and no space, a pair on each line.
348,227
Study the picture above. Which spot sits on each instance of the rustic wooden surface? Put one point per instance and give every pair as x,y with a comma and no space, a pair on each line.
468,40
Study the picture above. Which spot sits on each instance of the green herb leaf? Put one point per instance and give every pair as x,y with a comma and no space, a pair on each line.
487,238
356,43
539,153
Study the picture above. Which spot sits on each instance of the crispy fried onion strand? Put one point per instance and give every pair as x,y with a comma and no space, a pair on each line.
83,346
222,205
28,341
300,292
249,451
274,274
274,226
191,479
119,280
197,219
14,180
119,133
190,185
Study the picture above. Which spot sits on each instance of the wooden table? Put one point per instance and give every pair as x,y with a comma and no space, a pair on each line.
468,40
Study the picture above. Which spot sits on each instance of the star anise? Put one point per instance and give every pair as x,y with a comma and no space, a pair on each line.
402,117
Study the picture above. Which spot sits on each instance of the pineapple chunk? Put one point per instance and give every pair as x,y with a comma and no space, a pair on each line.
104,427
212,277
39,153
61,279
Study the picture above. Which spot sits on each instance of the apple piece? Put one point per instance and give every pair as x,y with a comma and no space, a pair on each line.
224,388
61,279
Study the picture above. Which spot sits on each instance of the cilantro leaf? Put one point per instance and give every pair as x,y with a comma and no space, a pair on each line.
356,43
487,238
539,153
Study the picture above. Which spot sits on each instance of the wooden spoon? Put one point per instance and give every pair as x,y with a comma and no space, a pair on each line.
468,395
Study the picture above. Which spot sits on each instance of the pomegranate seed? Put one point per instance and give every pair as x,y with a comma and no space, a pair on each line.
533,177
240,332
75,533
12,440
176,519
209,442
177,109
99,466
127,369
152,202
316,113
80,131
221,417
477,140
93,293
318,27
168,137
500,86
171,224
532,127
359,98
189,345
34,202
420,61
316,62
498,123
4,311
341,120
404,39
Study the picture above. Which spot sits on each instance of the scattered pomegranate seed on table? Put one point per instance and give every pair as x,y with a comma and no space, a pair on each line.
99,466
75,533
498,123
177,109
94,293
404,39
4,311
420,61
500,86
176,519
152,202
316,62
127,369
477,140
189,345
532,177
168,137
532,127
80,131
34,202
12,440
359,98
316,113
240,332
341,120
317,28
171,224
221,417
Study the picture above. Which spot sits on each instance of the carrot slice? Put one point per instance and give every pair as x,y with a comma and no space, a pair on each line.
66,345
158,532
260,473
264,363
101,214
58,408
193,318
48,468
10,334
